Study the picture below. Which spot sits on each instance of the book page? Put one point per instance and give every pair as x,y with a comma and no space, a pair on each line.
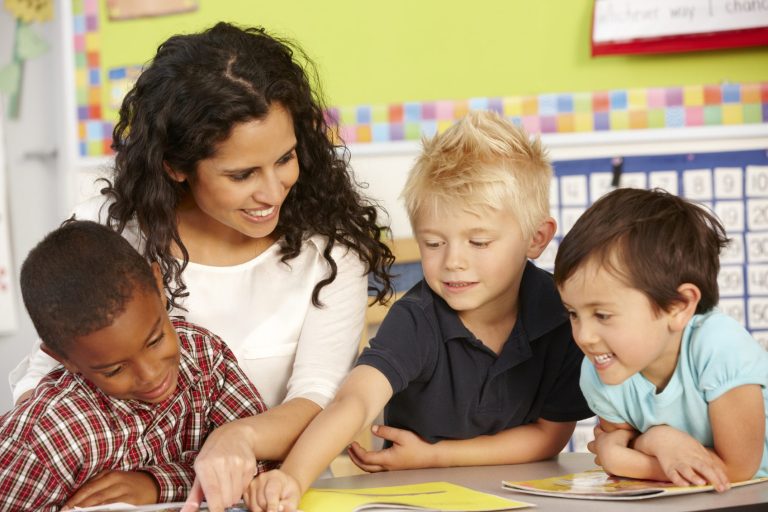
427,496
596,484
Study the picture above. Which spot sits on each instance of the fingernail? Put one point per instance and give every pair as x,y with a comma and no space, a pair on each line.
374,428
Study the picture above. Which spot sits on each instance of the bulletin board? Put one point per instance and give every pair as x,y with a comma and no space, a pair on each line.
733,184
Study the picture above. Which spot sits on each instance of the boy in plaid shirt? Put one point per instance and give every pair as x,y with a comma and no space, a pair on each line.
137,393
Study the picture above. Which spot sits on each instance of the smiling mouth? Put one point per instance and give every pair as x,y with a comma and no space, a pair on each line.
458,284
159,390
265,212
604,358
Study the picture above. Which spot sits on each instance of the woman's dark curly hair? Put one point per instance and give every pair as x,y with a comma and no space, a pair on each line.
187,100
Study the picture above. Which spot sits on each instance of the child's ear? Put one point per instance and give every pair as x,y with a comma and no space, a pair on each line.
541,238
58,357
682,311
176,176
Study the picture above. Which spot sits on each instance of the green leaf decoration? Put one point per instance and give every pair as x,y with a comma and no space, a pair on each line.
28,44
9,78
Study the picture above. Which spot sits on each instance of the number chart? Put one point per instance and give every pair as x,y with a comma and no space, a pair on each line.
733,184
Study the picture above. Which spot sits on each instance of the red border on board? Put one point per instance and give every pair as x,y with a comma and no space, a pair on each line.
685,43
682,43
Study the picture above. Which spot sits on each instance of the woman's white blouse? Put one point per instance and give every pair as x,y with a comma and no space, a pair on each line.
263,310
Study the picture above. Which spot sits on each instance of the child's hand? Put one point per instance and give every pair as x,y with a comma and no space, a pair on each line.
408,451
134,487
592,445
273,491
682,458
608,447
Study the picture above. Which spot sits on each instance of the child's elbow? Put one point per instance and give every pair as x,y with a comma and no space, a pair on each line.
740,467
741,472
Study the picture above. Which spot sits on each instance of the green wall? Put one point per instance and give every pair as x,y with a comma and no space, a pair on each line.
415,50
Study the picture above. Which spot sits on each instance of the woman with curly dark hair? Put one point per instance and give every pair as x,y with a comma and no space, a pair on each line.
226,177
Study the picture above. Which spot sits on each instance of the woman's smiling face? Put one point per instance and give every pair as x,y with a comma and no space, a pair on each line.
243,185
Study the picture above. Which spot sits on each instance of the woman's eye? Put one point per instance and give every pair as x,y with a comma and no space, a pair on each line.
287,158
240,177
602,316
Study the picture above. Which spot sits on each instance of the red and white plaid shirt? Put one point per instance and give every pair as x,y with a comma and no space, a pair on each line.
70,431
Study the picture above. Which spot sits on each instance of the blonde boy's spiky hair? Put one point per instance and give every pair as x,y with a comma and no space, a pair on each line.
483,161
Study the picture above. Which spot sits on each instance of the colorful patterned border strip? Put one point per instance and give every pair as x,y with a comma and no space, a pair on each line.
94,132
631,109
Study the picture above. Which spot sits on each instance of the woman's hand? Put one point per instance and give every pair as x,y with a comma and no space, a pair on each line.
224,468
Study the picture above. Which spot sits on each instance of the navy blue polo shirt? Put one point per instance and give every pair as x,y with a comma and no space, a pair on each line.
448,385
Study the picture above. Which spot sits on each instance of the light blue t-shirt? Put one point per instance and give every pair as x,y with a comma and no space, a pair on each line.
716,355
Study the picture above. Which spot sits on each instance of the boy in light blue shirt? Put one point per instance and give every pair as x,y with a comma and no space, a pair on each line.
679,387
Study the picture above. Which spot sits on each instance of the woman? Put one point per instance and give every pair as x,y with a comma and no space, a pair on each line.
226,176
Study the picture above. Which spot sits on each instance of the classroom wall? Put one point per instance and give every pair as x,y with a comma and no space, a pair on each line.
34,182
383,52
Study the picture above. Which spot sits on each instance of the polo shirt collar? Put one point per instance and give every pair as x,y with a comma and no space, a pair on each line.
540,309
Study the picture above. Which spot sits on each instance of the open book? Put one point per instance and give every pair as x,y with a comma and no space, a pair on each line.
596,484
433,496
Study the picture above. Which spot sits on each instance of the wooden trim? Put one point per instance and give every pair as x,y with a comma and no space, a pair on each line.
406,250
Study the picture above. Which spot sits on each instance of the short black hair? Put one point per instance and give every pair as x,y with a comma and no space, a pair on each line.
78,279
652,240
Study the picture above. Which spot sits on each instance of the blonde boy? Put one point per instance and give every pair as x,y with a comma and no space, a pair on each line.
476,362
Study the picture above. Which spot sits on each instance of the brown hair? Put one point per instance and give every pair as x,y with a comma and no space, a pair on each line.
650,239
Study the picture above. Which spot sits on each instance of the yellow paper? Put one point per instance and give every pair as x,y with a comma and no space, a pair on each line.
428,496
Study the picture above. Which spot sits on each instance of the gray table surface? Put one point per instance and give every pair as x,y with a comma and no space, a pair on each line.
488,479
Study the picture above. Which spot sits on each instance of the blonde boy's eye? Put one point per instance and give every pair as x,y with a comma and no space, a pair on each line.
431,245
480,243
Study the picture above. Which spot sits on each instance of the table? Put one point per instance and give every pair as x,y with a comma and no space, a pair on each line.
488,479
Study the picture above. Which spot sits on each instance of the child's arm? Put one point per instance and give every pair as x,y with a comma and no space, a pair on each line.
539,440
134,487
622,451
359,400
662,453
26,483
738,427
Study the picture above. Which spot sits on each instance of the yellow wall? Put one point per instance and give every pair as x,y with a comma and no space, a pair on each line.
413,50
